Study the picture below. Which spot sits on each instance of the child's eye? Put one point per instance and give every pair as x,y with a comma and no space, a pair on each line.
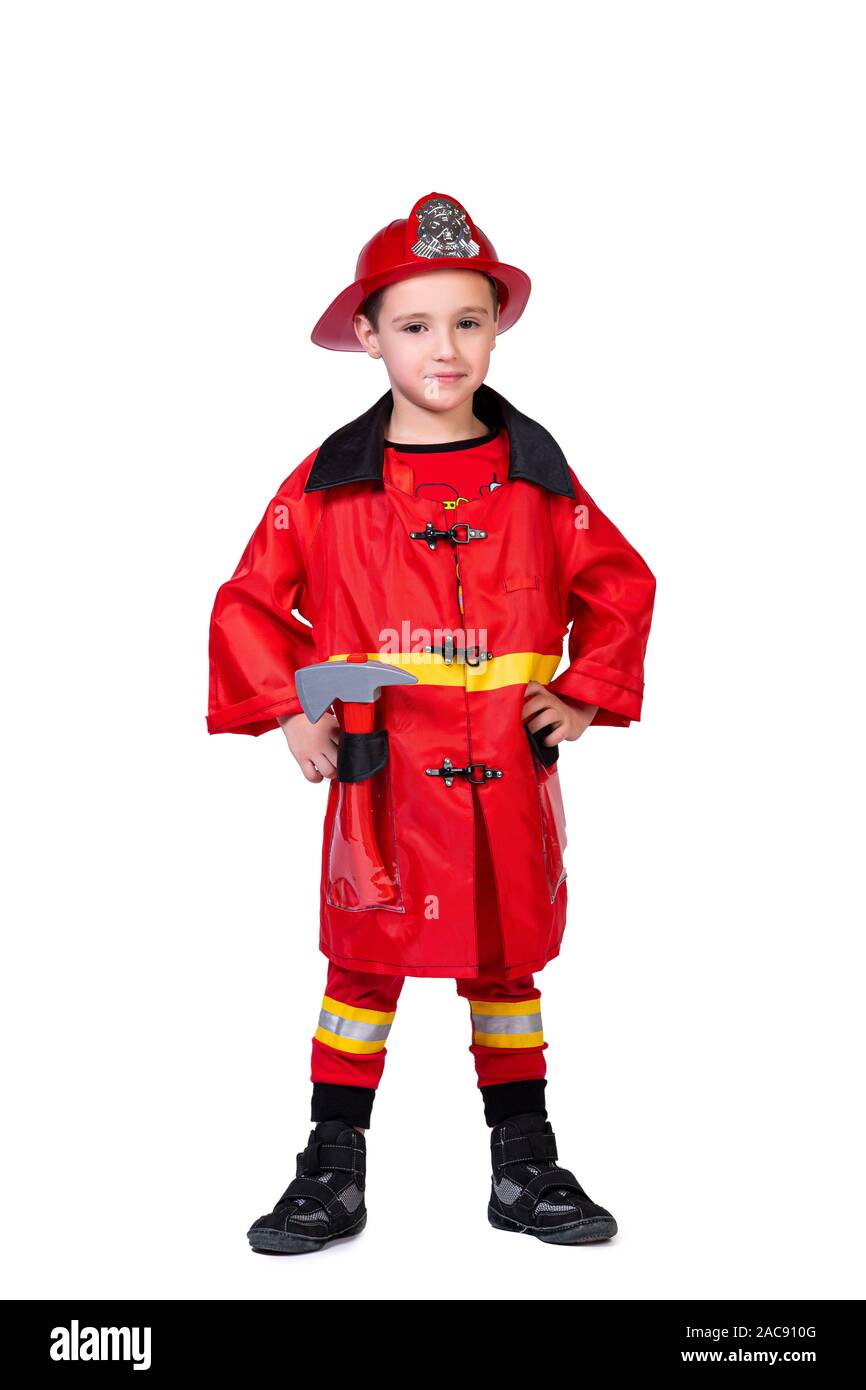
473,323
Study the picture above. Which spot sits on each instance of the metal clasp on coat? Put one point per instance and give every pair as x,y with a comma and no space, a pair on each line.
431,534
448,772
448,652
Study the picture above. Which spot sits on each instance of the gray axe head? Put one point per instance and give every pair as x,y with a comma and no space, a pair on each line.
353,682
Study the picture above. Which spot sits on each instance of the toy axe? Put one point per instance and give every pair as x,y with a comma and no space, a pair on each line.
358,683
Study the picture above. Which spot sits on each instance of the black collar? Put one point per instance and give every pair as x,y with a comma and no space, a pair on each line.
356,451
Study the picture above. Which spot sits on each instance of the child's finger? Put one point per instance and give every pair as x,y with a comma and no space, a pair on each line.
540,698
309,770
539,706
555,736
326,761
542,719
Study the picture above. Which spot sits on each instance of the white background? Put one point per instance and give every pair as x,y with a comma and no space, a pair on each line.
186,188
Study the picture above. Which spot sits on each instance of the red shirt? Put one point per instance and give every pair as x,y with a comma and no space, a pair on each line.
449,474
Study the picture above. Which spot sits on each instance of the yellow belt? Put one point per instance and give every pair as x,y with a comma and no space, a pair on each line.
512,668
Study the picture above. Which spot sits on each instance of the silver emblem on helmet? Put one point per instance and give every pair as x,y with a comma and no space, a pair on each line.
442,230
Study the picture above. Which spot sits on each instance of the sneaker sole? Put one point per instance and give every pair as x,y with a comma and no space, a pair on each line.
269,1241
578,1233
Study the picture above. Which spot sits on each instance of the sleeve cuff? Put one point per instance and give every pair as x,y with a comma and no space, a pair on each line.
255,716
618,704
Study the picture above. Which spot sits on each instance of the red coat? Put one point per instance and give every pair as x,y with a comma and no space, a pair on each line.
334,543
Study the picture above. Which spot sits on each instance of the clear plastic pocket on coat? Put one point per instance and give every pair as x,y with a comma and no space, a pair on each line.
362,856
553,835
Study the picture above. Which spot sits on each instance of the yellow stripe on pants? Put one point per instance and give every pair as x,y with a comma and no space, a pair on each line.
510,1023
351,1029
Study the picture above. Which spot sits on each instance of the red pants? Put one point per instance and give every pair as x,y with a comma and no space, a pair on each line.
506,1034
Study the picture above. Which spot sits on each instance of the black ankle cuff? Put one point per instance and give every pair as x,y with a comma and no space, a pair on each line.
350,1103
513,1098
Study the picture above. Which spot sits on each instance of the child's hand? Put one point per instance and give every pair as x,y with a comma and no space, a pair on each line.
314,746
541,707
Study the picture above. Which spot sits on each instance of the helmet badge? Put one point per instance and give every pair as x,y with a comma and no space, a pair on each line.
443,231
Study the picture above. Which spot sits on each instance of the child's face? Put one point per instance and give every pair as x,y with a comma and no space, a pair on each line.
436,334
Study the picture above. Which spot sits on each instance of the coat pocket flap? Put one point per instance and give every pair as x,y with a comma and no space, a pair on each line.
521,581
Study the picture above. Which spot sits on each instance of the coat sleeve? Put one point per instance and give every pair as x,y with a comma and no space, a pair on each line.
256,643
611,591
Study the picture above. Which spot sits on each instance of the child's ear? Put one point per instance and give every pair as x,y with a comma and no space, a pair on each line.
365,335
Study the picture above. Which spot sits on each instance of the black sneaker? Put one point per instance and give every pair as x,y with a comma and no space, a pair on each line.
532,1195
325,1201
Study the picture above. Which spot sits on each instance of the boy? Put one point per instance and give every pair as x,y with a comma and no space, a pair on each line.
442,537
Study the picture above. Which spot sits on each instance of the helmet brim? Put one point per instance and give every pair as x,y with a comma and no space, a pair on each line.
335,329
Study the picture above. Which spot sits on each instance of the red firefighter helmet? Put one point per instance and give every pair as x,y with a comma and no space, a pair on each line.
438,234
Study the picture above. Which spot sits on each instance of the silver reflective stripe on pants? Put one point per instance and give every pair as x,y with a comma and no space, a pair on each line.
507,1023
353,1027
